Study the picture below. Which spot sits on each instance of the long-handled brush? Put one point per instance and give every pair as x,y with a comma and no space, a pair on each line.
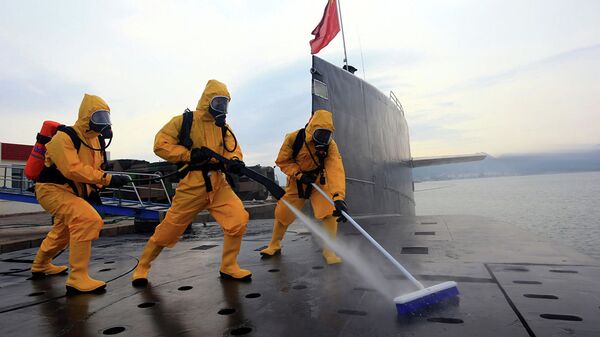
415,300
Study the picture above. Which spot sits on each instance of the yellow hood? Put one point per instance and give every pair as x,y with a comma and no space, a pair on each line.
321,119
213,88
89,105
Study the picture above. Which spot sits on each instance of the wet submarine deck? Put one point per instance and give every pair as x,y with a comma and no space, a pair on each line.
511,282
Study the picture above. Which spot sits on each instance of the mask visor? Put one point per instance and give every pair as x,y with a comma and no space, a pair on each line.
100,117
219,104
322,136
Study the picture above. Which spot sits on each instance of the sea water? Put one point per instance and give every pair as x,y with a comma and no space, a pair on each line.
561,207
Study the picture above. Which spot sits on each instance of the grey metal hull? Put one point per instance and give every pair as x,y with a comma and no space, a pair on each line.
372,134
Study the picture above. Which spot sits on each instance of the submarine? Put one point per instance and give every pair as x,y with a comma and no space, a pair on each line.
511,282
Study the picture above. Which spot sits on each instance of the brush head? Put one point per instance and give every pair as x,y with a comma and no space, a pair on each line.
419,299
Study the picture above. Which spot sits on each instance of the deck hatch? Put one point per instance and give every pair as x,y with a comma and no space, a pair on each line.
415,250
424,233
204,247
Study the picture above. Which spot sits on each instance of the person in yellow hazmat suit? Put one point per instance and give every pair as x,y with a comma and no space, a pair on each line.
205,185
66,186
307,156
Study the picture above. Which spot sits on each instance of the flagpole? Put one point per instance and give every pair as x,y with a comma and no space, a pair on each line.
343,36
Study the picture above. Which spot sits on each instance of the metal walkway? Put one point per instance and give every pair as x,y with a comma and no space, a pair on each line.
144,201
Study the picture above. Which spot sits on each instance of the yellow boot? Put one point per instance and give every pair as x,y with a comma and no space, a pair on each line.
140,275
330,226
42,265
229,266
79,281
274,247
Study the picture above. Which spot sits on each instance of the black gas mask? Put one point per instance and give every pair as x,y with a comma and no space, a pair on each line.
218,109
322,138
100,122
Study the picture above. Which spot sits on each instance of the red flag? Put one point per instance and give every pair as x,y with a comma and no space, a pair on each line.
327,29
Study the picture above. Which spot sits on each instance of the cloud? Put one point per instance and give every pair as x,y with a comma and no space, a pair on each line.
29,98
381,66
39,96
266,107
433,132
592,51
464,75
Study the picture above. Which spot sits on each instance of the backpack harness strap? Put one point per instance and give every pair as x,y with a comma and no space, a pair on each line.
52,175
186,140
304,192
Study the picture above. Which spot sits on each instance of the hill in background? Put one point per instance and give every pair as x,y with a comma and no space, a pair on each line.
508,165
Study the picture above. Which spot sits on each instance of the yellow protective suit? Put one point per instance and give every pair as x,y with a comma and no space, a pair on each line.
81,220
335,183
191,196
75,219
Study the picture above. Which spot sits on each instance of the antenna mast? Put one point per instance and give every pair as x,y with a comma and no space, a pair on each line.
343,36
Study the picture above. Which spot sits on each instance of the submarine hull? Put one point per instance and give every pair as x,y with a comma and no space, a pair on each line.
372,135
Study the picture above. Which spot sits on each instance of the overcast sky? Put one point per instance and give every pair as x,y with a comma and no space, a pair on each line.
493,76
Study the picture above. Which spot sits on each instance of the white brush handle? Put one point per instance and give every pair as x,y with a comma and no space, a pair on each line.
375,243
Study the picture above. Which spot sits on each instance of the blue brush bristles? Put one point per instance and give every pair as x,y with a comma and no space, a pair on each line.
425,297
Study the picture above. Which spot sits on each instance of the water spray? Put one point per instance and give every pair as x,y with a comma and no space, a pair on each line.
411,302
365,268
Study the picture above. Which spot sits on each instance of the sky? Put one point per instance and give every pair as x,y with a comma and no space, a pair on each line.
500,77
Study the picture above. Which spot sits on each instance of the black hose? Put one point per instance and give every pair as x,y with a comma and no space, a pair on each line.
223,134
102,148
15,271
27,269
275,190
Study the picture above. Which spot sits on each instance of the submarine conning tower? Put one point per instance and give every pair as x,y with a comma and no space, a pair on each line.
372,135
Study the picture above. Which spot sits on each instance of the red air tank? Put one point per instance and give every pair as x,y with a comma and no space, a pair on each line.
35,162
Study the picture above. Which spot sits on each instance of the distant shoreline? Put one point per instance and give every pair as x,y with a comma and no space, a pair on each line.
503,175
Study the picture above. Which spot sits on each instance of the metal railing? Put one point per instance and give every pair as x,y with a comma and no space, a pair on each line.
150,191
147,194
12,177
396,101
